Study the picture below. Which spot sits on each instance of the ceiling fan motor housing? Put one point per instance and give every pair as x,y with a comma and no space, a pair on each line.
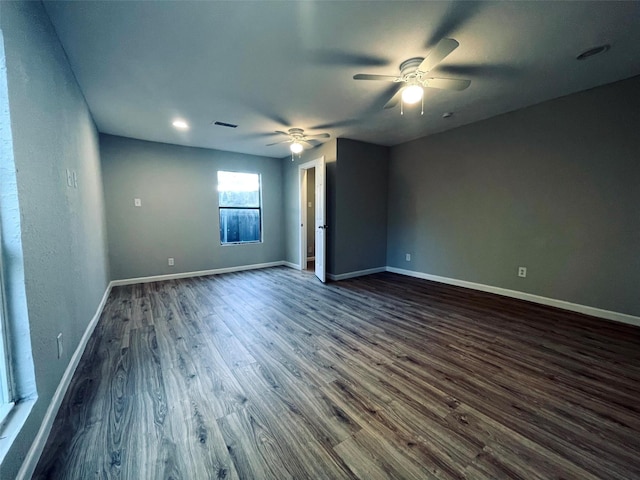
411,65
409,71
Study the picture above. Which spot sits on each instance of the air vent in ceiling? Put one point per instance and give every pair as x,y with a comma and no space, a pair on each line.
593,51
223,124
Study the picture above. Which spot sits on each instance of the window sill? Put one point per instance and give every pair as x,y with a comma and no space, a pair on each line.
240,243
11,425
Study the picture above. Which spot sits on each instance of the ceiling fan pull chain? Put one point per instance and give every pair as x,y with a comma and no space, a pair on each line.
401,107
422,112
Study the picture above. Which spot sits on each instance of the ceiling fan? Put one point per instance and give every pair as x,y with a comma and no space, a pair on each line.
414,75
296,138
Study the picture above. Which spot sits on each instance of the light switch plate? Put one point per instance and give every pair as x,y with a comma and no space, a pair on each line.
60,346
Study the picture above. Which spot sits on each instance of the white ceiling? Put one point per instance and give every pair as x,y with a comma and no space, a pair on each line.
271,65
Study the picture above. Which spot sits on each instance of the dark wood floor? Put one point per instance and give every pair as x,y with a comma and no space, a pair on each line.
269,374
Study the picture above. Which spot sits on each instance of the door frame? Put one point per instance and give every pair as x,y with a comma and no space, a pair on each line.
303,201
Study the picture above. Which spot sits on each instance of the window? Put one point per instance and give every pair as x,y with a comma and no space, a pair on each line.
239,200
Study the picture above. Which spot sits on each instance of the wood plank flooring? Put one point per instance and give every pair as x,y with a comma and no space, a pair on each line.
268,374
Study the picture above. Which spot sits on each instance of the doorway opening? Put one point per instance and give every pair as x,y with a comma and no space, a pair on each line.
312,217
311,208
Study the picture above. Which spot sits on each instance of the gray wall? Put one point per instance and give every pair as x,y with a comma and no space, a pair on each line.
63,228
554,187
291,199
179,213
361,198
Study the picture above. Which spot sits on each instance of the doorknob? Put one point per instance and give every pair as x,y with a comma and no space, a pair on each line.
323,226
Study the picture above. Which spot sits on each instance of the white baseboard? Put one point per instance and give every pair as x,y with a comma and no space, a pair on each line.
33,455
359,273
311,259
199,273
295,266
552,302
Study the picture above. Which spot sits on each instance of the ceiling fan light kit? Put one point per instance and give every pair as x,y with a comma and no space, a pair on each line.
297,139
414,74
412,94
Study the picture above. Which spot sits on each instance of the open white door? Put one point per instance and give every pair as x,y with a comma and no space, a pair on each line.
321,227
320,217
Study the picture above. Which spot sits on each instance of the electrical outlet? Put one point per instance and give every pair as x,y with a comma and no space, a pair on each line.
60,349
522,272
137,202
171,262
407,257
69,178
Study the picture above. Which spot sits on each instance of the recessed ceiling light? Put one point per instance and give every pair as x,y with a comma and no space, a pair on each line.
593,51
181,124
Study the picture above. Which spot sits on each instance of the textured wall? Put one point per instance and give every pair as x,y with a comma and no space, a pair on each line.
63,230
179,213
553,187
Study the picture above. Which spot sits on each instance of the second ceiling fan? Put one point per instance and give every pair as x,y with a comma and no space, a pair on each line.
414,75
296,139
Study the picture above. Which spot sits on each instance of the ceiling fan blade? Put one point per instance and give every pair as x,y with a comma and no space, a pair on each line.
383,78
281,132
393,101
319,135
438,53
277,143
447,83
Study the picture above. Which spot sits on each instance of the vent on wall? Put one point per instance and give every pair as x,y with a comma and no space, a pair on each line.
223,124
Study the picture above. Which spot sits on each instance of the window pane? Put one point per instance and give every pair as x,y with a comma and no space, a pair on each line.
238,189
239,204
239,225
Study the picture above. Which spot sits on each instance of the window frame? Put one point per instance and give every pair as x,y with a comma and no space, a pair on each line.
7,400
258,208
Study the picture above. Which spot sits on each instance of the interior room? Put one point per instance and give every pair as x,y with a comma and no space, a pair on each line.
310,239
